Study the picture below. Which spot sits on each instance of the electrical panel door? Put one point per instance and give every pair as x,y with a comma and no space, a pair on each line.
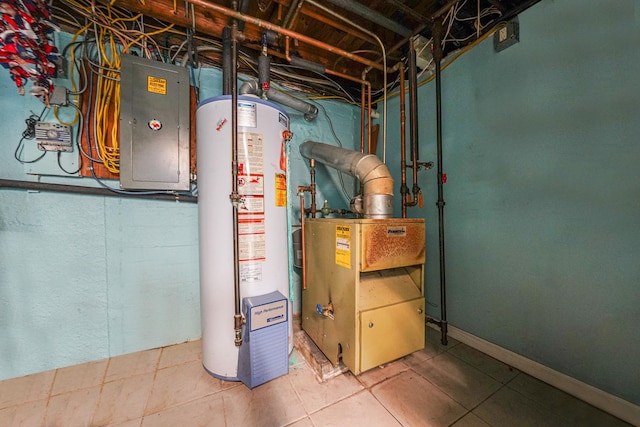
154,125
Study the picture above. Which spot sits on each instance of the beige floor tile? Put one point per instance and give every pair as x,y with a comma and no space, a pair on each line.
461,381
206,412
420,356
470,420
316,395
432,348
181,384
75,408
574,411
381,373
508,408
305,422
123,400
434,340
180,353
24,415
78,377
361,409
414,401
132,364
131,423
487,364
20,390
271,404
296,359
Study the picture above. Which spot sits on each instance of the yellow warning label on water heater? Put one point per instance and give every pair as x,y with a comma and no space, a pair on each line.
343,245
281,189
156,85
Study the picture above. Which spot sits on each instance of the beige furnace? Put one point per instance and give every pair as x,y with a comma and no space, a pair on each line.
364,297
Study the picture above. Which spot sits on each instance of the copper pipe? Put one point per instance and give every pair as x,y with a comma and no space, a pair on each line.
292,14
287,45
366,86
304,267
403,143
346,76
269,26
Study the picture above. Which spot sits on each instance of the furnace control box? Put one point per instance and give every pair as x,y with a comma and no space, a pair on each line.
154,125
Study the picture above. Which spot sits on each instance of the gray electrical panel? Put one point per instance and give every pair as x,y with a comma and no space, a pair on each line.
154,125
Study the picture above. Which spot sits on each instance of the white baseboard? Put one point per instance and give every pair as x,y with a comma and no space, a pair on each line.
617,407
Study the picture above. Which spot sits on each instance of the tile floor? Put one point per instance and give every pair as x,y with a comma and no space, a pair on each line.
439,386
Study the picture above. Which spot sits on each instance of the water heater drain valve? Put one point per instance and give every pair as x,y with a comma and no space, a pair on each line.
325,310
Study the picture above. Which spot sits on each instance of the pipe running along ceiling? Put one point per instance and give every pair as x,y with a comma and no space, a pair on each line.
311,48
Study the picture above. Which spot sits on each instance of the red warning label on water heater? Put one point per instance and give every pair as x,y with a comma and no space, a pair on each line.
251,217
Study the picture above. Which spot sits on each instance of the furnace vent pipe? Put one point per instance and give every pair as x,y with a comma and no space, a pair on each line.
377,197
252,87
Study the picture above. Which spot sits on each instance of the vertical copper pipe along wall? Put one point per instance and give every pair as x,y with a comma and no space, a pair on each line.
304,267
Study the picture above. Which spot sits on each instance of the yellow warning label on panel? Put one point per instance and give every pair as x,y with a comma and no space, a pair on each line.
156,85
343,245
281,189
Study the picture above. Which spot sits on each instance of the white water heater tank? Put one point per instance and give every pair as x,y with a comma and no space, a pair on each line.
262,219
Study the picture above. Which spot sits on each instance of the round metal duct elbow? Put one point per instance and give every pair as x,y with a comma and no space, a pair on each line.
377,196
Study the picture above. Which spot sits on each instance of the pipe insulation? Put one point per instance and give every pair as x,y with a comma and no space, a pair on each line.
377,196
252,87
308,65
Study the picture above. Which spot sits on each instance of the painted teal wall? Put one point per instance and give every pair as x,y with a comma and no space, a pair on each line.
543,196
86,277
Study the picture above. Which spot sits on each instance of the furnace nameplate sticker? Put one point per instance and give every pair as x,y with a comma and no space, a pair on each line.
397,231
343,245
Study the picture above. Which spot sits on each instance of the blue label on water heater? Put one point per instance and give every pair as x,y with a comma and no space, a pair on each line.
268,314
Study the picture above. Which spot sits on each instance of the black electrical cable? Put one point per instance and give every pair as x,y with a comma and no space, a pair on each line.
66,171
29,133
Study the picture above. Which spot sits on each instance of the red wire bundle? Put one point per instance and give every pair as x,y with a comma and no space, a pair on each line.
25,49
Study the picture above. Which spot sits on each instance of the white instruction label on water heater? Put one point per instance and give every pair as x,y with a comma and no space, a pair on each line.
247,114
251,247
250,154
250,272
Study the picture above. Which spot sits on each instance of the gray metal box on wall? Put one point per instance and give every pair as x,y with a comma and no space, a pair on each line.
154,125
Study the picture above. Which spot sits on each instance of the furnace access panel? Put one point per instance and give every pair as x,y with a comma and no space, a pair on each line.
364,297
154,125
